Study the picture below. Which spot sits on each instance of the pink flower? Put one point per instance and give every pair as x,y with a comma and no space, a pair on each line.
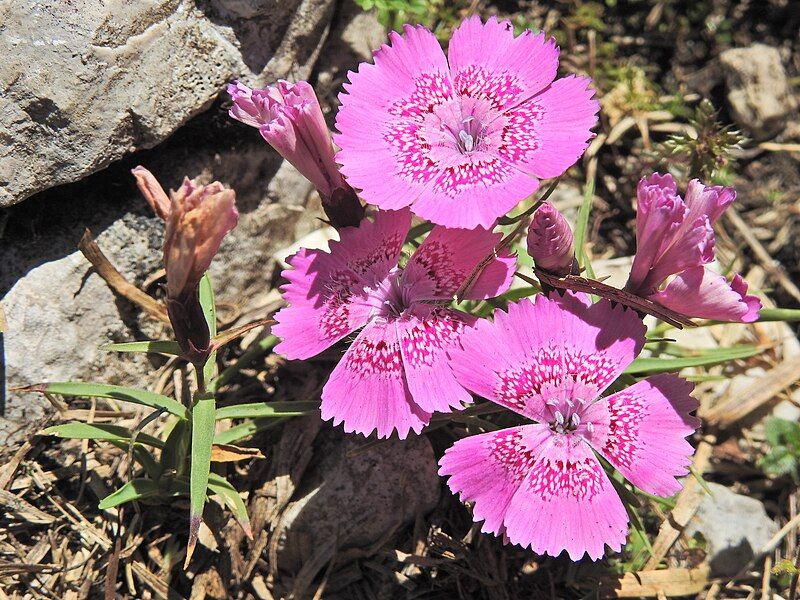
676,237
551,244
542,485
197,217
461,139
290,119
395,373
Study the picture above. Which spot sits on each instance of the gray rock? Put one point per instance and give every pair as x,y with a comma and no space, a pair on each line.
88,81
759,95
59,312
352,496
735,528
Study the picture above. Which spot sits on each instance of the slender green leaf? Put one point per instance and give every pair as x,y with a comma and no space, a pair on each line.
259,410
701,480
779,314
100,431
116,392
581,228
712,357
136,489
220,486
142,456
176,448
247,429
153,346
210,311
202,440
253,353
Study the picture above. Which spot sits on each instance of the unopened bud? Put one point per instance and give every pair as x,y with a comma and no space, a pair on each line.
551,244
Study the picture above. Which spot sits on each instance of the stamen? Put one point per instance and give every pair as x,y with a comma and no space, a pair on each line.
590,427
467,140
559,417
575,420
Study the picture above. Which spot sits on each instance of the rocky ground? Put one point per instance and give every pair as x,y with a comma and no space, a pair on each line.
92,89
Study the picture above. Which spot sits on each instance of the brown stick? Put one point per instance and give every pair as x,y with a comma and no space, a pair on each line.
758,393
117,281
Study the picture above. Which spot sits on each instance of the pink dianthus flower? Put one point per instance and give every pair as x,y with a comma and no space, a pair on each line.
395,373
676,237
541,485
461,139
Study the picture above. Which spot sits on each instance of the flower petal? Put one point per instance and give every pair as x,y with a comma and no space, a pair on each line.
325,290
647,427
381,112
551,342
701,293
548,133
487,469
367,390
487,61
448,258
710,201
425,338
566,502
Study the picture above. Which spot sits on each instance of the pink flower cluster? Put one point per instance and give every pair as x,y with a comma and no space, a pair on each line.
460,140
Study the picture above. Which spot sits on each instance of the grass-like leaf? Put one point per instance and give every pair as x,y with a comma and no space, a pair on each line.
115,392
709,357
100,431
220,486
258,410
151,346
581,227
135,489
202,439
210,312
247,429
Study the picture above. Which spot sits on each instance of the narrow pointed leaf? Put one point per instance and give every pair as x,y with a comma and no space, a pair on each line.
581,228
246,430
210,311
176,448
152,346
202,439
257,410
713,357
220,486
100,431
116,392
136,489
254,352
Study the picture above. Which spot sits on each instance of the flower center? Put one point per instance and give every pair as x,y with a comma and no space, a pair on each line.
465,136
390,298
566,418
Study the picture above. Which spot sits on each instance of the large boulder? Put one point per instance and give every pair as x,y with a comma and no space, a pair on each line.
86,82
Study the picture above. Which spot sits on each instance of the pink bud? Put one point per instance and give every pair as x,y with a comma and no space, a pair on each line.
290,119
550,241
197,219
152,191
200,217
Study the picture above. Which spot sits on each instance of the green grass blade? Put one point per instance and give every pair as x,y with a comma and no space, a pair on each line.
787,315
711,357
246,430
220,486
153,346
136,489
253,353
115,392
258,410
210,311
202,439
176,448
100,431
581,227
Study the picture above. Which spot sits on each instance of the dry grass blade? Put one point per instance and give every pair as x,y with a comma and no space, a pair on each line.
756,395
657,584
762,254
24,510
688,502
117,282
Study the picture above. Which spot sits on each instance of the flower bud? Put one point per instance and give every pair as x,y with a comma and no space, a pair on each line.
290,119
550,241
197,219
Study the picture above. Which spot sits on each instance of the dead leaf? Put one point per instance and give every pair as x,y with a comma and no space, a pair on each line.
231,453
